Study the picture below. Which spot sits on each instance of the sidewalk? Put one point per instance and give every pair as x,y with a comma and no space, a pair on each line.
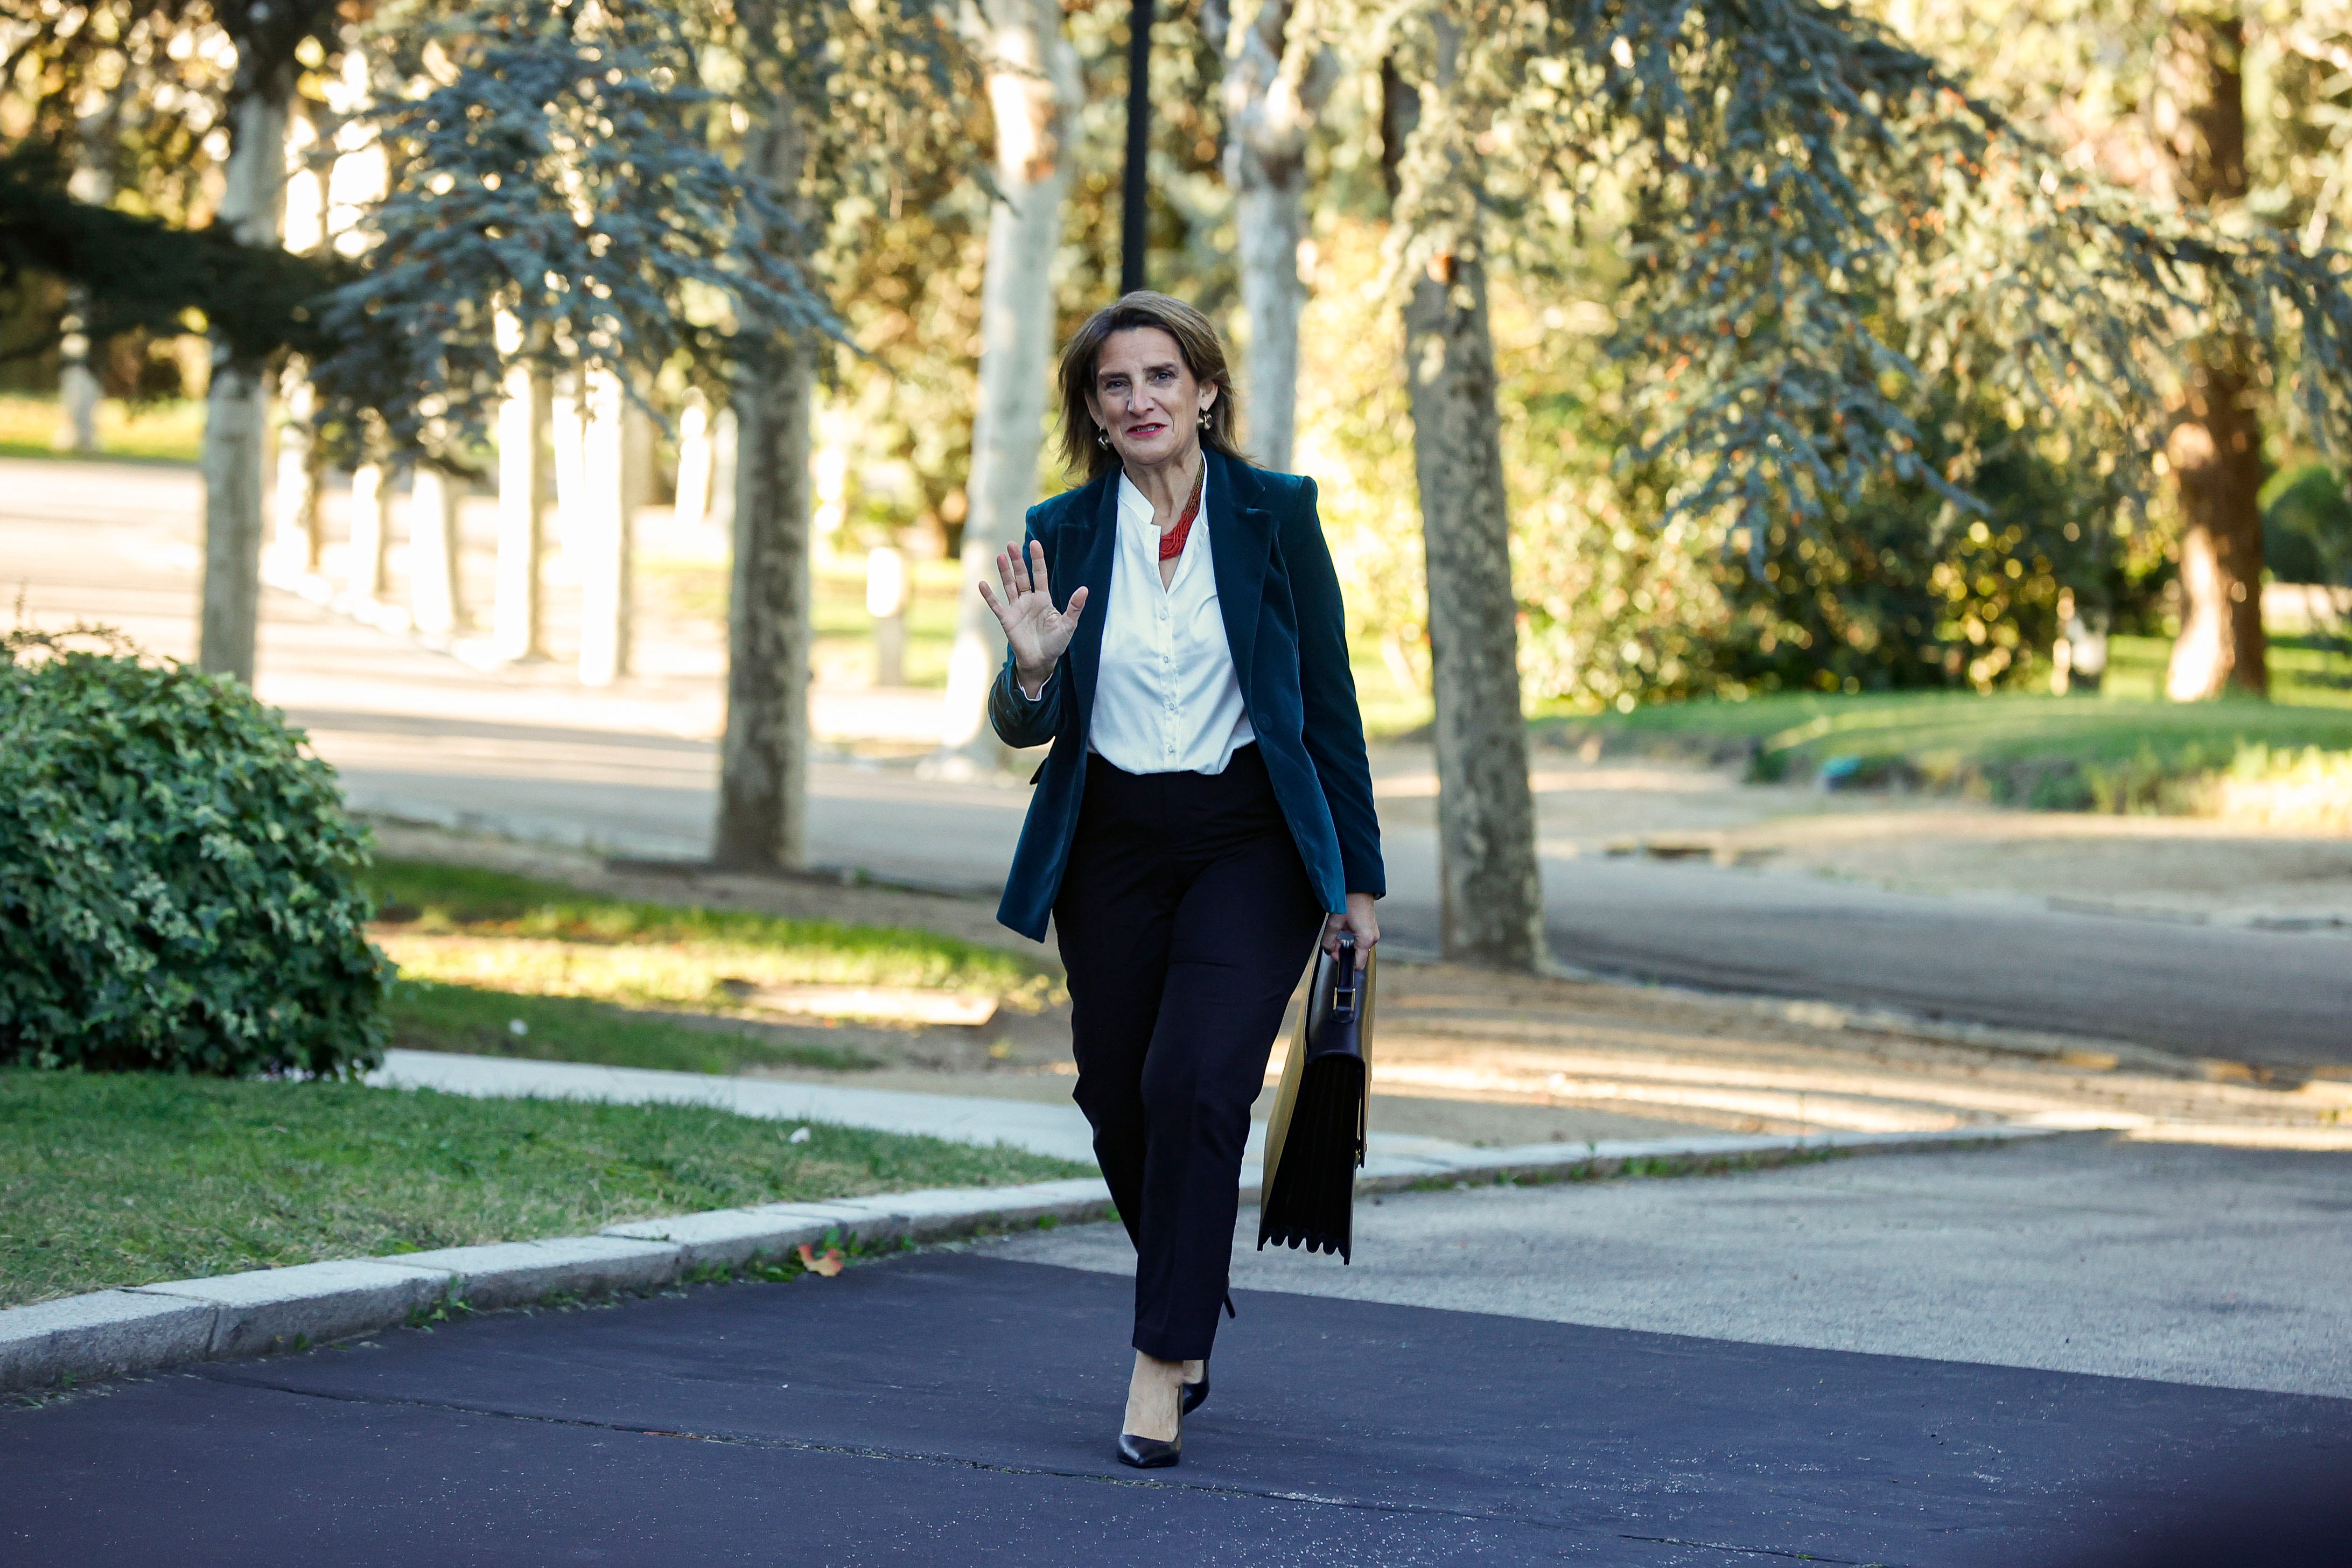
1061,1130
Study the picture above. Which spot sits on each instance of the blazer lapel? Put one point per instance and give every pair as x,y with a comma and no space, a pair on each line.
1241,541
1083,557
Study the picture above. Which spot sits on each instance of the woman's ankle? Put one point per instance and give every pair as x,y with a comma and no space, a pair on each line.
1154,1393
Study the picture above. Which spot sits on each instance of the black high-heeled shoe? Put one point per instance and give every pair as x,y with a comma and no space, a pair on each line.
1150,1453
1196,1393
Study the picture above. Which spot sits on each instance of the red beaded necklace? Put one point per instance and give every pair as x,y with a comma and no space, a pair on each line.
1172,541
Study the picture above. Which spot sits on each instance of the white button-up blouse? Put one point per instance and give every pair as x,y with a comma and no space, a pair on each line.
1166,697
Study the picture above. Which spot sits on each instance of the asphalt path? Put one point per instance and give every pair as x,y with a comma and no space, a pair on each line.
933,1410
957,1405
2087,1253
2275,998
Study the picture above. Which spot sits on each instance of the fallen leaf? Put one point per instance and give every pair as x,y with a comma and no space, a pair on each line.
829,1265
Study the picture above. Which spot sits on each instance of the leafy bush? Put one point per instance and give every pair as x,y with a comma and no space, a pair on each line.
179,885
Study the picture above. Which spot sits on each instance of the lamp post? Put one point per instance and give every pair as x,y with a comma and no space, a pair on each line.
1139,138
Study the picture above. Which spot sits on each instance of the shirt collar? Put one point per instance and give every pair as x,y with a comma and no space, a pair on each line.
1135,507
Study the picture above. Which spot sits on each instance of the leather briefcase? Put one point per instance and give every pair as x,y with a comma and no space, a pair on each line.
1314,1140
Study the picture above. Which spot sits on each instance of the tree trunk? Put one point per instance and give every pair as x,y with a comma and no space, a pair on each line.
2216,444
79,389
1268,114
763,762
722,471
1490,888
567,436
78,386
763,756
1033,87
295,543
2215,451
692,502
606,530
436,604
363,578
515,609
295,540
237,404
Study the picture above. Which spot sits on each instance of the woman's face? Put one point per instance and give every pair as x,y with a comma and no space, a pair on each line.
1145,398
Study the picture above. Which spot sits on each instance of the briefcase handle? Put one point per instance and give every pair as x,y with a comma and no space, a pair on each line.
1343,981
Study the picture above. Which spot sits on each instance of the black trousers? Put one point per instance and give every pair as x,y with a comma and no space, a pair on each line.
1185,919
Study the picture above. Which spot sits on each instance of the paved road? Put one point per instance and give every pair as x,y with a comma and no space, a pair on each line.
2084,1254
957,1407
2275,998
525,751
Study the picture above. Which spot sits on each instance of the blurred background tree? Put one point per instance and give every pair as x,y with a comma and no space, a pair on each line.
167,91
2240,109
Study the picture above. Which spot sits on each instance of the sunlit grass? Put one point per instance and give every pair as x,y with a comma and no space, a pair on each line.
1799,731
165,432
2305,671
2123,748
427,1016
480,952
688,974
126,1179
424,898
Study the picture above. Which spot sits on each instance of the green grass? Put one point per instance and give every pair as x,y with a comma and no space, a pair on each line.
2029,747
126,1179
597,979
430,898
430,1016
169,432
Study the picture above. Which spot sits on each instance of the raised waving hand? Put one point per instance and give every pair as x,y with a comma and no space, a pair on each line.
1034,630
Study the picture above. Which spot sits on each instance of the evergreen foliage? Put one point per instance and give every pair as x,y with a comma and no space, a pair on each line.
562,172
179,884
141,272
1822,221
572,166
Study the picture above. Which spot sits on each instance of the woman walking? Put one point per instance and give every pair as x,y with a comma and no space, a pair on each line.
1206,808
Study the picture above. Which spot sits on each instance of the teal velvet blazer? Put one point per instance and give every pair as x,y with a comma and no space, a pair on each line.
1280,599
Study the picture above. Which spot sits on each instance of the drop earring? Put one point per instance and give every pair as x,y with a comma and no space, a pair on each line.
1204,419
1102,438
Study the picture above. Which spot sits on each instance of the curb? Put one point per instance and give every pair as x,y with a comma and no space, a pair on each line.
1535,1164
109,1332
